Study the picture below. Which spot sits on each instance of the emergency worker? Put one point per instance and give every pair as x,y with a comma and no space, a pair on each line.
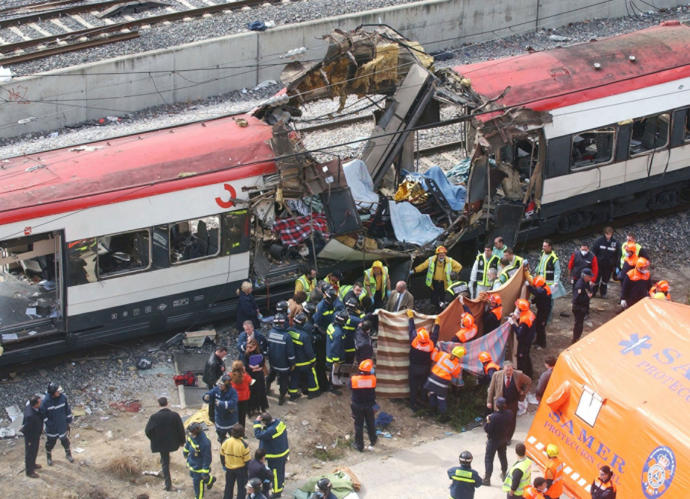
541,297
523,327
519,475
550,267
304,375
537,490
464,480
281,356
377,283
479,276
363,400
322,319
438,273
224,398
553,473
273,438
636,283
511,263
606,250
421,346
456,289
355,291
661,290
354,318
603,486
57,417
335,350
32,427
493,313
446,367
580,260
197,453
468,329
499,247
306,282
630,251
581,296
364,348
489,367
234,456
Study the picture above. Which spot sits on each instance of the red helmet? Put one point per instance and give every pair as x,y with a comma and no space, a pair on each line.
663,286
642,263
484,357
539,281
522,305
495,300
466,320
423,335
366,365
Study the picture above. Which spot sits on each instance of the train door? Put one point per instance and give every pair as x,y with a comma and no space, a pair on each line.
32,287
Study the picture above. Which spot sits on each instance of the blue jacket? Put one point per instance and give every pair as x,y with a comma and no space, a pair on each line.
335,348
349,328
56,415
226,406
273,438
246,310
464,481
323,317
281,351
304,350
197,451
260,339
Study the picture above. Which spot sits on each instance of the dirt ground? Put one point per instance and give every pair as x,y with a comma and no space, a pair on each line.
320,431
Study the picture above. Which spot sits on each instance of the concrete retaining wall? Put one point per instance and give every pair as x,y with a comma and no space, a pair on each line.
213,67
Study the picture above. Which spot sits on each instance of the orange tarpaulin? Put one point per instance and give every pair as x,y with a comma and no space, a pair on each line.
393,348
621,397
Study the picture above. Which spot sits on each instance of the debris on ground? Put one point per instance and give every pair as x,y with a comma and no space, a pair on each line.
127,406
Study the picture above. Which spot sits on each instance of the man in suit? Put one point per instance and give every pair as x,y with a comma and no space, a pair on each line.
513,386
166,432
400,299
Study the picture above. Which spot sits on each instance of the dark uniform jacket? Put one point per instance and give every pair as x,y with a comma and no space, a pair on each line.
246,310
197,451
498,425
465,480
260,340
56,414
580,296
226,408
273,438
606,251
420,360
213,370
32,425
335,348
302,343
256,469
363,388
165,430
281,350
363,348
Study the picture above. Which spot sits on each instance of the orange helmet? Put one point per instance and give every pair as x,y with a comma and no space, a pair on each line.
642,263
631,247
539,281
495,300
663,286
522,305
484,357
466,320
423,335
441,249
366,365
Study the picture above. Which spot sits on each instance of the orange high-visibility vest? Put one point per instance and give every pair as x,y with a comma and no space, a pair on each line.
554,471
363,381
466,334
445,368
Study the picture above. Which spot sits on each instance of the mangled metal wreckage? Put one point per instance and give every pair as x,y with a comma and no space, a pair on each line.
379,205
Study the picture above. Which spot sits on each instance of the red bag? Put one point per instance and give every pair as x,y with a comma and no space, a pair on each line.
186,379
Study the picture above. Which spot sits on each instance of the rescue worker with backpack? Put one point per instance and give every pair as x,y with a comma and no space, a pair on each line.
363,387
197,453
304,375
464,480
421,346
224,398
273,437
446,367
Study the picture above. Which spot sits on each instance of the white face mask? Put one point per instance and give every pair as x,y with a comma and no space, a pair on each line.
584,252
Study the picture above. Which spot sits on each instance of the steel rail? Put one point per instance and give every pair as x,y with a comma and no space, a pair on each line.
48,14
60,49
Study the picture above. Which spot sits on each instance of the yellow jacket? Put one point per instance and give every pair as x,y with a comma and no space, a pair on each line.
235,452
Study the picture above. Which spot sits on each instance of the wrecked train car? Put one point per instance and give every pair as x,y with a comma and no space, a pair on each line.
154,232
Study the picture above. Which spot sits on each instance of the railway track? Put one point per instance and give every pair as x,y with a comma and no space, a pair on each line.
26,37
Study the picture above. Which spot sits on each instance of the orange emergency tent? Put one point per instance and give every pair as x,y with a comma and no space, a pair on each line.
621,397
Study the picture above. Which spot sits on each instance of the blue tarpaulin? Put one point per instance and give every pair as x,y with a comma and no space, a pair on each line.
454,194
411,225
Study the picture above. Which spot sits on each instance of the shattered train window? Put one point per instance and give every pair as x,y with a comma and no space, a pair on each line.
593,147
235,232
649,133
194,239
124,253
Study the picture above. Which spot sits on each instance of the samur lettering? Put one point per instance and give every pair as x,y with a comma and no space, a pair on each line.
582,442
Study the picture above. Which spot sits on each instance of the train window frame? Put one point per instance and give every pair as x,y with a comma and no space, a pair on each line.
574,167
230,246
116,274
653,149
204,257
686,126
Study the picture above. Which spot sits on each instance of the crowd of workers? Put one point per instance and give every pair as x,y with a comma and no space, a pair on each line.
328,326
